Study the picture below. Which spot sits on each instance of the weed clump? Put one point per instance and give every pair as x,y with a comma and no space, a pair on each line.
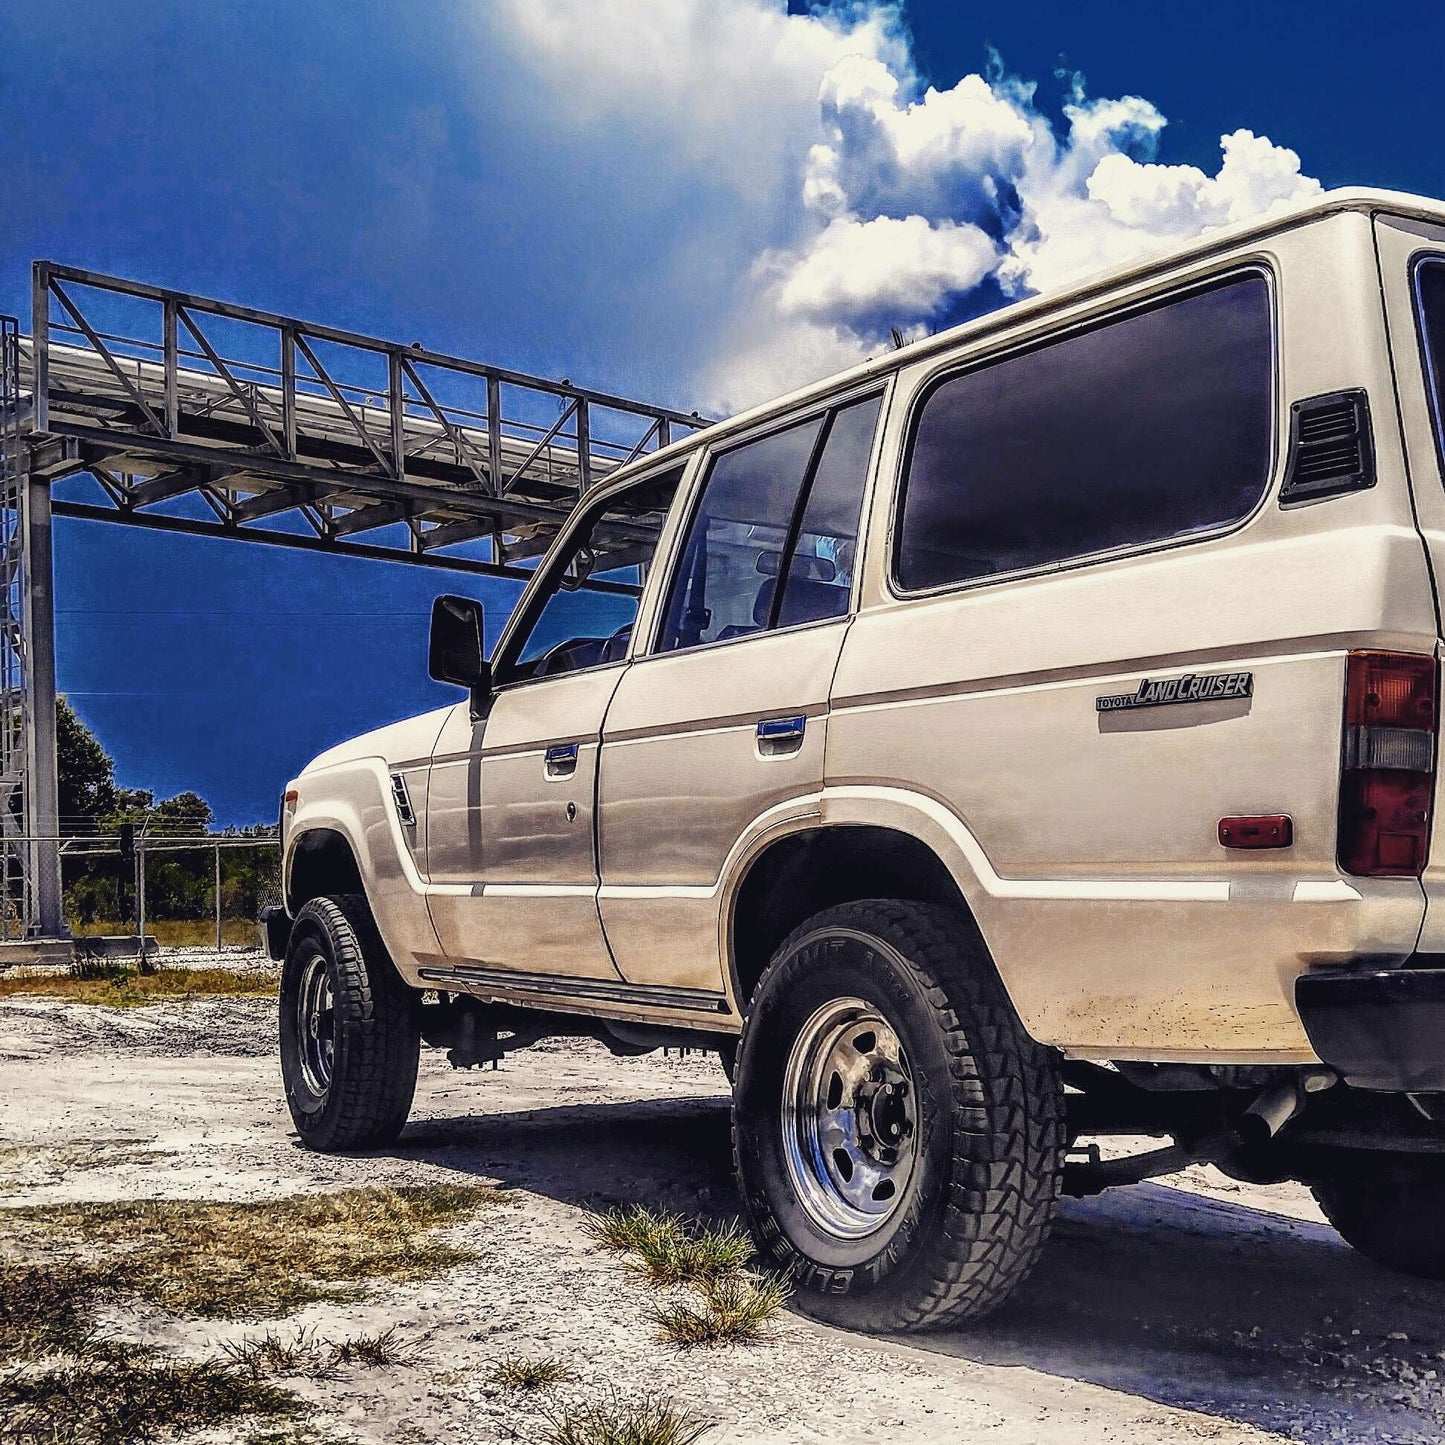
650,1421
734,1310
386,1347
530,1372
670,1250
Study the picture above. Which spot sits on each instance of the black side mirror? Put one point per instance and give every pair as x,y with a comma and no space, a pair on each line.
455,653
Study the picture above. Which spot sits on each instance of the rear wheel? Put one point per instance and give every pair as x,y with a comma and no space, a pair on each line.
1391,1208
898,1136
350,1029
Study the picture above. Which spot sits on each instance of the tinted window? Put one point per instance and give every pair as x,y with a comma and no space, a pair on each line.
1430,285
1147,428
730,561
820,576
584,616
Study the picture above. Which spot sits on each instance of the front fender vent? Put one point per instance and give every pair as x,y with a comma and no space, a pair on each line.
1331,447
402,797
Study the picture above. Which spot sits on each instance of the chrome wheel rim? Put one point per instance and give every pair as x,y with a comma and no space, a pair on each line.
850,1119
316,1024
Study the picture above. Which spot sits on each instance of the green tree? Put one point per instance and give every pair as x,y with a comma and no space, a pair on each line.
86,773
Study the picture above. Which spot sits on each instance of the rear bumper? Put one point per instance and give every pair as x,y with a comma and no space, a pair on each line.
277,924
1381,1028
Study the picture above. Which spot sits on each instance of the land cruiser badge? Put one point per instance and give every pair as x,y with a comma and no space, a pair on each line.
1192,687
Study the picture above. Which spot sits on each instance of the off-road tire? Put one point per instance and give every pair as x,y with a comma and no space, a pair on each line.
1390,1208
973,1218
376,1024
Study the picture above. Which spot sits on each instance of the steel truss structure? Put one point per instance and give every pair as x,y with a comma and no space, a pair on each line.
186,414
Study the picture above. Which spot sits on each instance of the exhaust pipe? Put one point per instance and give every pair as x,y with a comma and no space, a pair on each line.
1280,1102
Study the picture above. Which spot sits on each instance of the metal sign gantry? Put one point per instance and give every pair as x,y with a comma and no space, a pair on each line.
186,414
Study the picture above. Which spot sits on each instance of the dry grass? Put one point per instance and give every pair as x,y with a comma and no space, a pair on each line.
302,1356
305,1355
651,1421
670,1250
225,1260
131,1397
124,986
386,1347
530,1372
735,1310
63,1383
177,932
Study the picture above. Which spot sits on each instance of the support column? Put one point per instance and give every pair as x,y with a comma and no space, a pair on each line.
42,796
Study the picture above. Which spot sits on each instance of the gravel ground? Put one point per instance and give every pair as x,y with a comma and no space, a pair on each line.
1197,1309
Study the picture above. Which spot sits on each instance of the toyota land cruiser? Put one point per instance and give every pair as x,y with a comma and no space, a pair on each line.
1028,736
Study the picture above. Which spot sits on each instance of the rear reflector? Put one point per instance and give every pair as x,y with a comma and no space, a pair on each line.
1387,782
1273,830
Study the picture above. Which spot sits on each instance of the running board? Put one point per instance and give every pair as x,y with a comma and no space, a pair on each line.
510,983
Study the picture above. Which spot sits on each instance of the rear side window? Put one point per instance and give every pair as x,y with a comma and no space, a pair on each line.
1430,290
773,541
1148,428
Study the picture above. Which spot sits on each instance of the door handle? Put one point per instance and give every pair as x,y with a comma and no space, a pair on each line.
780,736
561,760
781,729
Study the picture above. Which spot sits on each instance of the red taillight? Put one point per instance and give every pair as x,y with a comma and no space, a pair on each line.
1388,780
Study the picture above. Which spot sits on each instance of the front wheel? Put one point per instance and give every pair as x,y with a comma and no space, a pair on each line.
350,1030
1391,1208
898,1136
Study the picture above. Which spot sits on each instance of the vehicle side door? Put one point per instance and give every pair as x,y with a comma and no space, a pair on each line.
511,850
722,716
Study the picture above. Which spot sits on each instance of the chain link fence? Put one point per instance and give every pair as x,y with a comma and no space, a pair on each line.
197,892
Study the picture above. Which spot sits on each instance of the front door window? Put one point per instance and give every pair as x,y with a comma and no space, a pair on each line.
584,617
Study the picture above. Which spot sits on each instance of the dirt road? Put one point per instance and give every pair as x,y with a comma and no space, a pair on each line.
1204,1310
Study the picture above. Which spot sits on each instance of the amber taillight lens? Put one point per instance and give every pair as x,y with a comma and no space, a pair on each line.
1387,782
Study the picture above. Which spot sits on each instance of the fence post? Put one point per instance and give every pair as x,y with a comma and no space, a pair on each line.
140,897
218,897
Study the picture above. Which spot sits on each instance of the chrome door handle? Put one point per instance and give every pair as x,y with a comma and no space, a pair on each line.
561,760
781,737
781,729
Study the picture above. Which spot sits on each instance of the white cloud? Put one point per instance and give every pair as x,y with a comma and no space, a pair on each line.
862,273
837,197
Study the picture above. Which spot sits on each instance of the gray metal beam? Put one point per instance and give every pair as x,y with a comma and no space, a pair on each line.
301,542
42,796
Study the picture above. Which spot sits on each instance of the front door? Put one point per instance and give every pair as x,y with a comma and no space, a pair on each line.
511,843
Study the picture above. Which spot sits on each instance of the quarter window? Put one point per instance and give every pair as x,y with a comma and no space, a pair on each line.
783,507
1153,427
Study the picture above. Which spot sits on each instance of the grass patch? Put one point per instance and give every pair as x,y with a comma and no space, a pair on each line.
63,1383
304,1355
670,1250
308,1356
177,932
386,1347
135,1397
124,986
652,1421
530,1372
735,1310
45,1309
223,1260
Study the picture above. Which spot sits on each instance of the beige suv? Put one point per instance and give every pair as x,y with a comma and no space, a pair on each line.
1028,736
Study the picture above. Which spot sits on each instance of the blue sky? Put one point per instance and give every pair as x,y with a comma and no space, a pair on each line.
644,195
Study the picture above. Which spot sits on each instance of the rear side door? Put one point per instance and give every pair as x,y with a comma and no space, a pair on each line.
511,847
721,720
